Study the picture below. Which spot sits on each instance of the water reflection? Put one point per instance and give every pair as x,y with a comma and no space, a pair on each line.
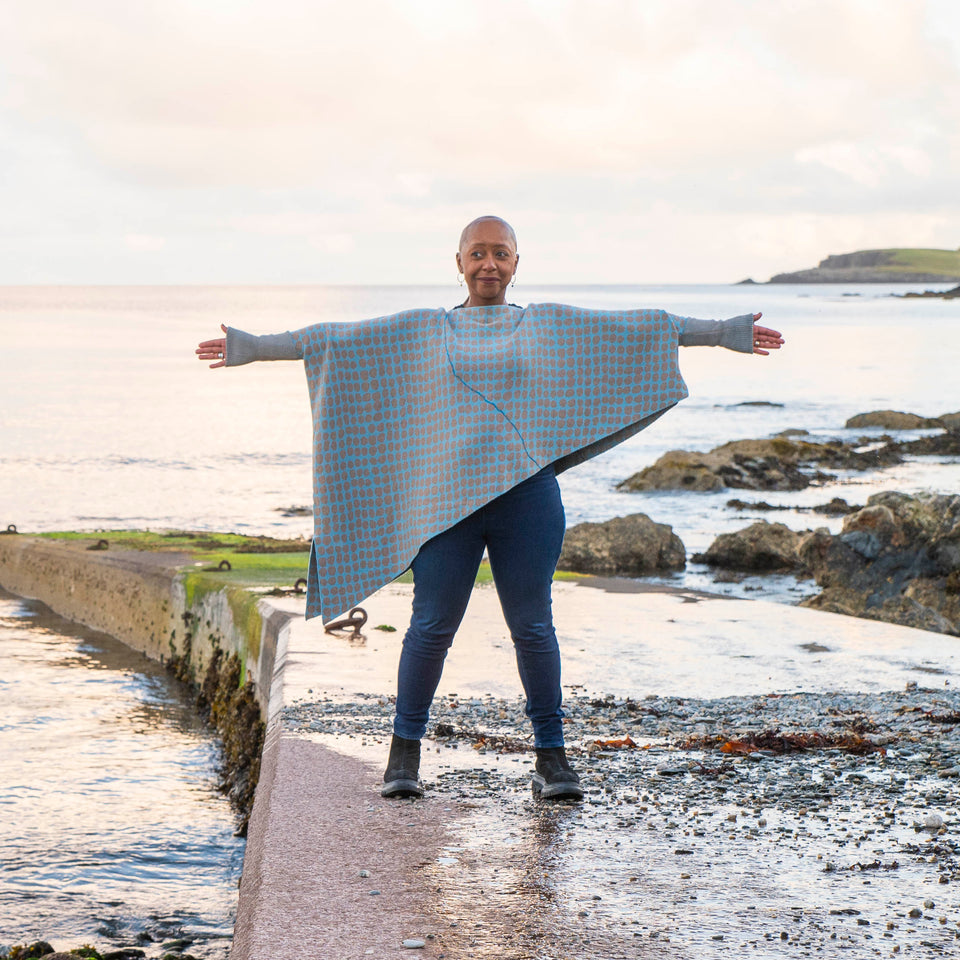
110,823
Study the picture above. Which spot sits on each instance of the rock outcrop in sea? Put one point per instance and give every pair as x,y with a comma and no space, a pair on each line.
790,462
760,548
950,294
897,559
625,546
777,463
893,420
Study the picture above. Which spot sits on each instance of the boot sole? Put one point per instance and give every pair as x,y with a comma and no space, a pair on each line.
555,791
402,788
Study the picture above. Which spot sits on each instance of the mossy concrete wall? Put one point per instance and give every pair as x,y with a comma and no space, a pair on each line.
149,601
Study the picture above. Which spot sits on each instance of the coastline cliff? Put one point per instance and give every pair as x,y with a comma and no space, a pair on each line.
895,265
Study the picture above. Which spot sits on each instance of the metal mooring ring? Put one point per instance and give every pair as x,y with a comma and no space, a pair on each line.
353,621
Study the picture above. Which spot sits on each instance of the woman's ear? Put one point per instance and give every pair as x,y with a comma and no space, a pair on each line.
459,264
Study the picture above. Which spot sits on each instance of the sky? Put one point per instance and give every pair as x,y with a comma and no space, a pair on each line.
627,141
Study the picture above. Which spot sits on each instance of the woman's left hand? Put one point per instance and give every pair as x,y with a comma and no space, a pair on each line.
765,339
213,350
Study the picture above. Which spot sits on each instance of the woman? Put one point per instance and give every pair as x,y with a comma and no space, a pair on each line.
438,434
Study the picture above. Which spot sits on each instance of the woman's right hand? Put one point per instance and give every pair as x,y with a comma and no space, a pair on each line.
214,350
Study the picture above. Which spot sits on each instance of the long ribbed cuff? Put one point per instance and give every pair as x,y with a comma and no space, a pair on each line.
734,334
244,347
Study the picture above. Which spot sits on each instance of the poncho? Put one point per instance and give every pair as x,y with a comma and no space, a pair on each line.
422,417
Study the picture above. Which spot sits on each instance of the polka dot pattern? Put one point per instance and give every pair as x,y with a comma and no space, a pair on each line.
422,417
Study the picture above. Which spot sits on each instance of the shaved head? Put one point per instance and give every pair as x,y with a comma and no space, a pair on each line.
487,219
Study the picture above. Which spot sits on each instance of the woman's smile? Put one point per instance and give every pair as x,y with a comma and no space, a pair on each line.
488,259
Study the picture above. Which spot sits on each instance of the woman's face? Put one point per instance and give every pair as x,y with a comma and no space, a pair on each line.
488,259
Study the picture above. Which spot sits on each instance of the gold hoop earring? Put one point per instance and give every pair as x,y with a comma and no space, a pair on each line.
460,279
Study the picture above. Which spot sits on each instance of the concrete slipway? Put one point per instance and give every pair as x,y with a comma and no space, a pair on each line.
667,858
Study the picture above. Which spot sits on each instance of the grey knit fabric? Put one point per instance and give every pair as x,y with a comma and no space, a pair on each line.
734,334
245,347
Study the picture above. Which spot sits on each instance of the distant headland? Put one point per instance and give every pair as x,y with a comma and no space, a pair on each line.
895,265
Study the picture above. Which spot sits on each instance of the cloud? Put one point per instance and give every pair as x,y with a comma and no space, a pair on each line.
291,93
143,241
331,124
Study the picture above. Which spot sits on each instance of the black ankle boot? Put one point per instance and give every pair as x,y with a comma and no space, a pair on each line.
554,778
402,778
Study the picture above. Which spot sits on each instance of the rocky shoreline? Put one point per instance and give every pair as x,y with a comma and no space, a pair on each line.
896,558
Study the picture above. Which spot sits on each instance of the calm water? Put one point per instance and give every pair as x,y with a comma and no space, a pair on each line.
108,420
112,830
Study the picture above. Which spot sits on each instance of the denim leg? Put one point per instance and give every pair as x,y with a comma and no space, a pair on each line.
524,532
444,571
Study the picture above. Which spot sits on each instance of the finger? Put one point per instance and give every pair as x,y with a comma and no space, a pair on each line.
223,328
757,316
221,363
219,344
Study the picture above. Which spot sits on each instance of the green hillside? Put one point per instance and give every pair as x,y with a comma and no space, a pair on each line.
924,260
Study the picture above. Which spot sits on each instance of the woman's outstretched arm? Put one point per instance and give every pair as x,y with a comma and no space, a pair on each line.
237,348
742,334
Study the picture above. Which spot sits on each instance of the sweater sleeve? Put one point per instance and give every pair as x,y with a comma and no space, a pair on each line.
734,334
245,347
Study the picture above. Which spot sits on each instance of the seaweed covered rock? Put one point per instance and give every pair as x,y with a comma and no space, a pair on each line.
892,420
776,463
897,559
676,470
625,546
945,444
30,951
762,547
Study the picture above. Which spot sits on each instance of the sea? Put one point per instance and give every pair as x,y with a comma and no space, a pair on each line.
112,826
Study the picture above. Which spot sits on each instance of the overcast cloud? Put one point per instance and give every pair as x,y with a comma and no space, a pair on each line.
311,141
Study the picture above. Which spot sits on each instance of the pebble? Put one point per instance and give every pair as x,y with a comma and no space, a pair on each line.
670,769
932,821
413,944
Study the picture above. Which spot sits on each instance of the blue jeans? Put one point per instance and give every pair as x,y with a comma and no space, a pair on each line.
522,531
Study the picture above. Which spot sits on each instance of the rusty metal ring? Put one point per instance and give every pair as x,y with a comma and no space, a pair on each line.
353,621
224,565
300,586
